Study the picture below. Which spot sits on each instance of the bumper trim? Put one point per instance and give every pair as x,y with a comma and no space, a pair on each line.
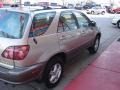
114,23
21,75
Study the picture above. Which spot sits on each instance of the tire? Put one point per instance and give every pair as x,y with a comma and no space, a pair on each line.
118,24
53,72
92,12
94,48
103,12
113,12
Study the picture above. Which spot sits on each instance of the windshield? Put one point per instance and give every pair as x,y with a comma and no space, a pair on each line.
12,24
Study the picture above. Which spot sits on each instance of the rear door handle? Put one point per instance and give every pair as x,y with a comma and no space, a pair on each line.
65,37
83,32
62,37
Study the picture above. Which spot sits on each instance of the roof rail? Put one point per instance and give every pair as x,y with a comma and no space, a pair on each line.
54,7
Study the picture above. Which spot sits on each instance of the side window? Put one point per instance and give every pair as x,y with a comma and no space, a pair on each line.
99,7
41,23
83,21
94,8
67,22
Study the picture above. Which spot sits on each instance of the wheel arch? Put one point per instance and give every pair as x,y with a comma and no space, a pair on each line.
61,55
98,35
92,11
118,21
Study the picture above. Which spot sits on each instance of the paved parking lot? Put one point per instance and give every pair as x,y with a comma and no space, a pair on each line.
81,61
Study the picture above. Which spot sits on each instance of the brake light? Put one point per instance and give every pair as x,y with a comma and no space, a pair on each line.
16,52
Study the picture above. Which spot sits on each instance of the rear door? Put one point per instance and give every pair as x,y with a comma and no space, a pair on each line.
42,45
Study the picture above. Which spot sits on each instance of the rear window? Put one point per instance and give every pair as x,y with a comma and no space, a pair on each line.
12,24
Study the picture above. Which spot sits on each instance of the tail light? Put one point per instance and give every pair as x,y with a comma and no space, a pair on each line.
16,52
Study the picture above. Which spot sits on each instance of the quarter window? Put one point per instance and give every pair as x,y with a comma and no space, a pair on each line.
41,23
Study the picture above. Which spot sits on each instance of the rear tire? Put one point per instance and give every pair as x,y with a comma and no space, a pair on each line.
94,48
53,72
113,12
103,12
92,12
118,24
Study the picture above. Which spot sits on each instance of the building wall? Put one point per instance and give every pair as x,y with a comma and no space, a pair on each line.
9,1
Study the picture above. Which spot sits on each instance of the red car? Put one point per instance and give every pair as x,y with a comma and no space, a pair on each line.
116,10
1,4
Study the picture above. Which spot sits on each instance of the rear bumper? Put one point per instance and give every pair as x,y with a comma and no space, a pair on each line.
21,75
114,21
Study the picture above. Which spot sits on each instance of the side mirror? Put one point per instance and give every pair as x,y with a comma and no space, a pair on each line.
93,23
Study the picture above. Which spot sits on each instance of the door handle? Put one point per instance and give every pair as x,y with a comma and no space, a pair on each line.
65,37
62,37
83,32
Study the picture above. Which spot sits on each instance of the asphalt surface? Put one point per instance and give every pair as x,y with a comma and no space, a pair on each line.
78,63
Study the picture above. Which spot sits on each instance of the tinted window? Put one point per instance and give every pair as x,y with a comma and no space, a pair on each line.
41,23
97,7
118,13
67,22
94,8
12,24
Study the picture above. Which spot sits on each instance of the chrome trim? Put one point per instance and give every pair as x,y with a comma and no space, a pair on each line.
6,66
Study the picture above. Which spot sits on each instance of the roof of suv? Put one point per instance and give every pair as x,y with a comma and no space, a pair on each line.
27,9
